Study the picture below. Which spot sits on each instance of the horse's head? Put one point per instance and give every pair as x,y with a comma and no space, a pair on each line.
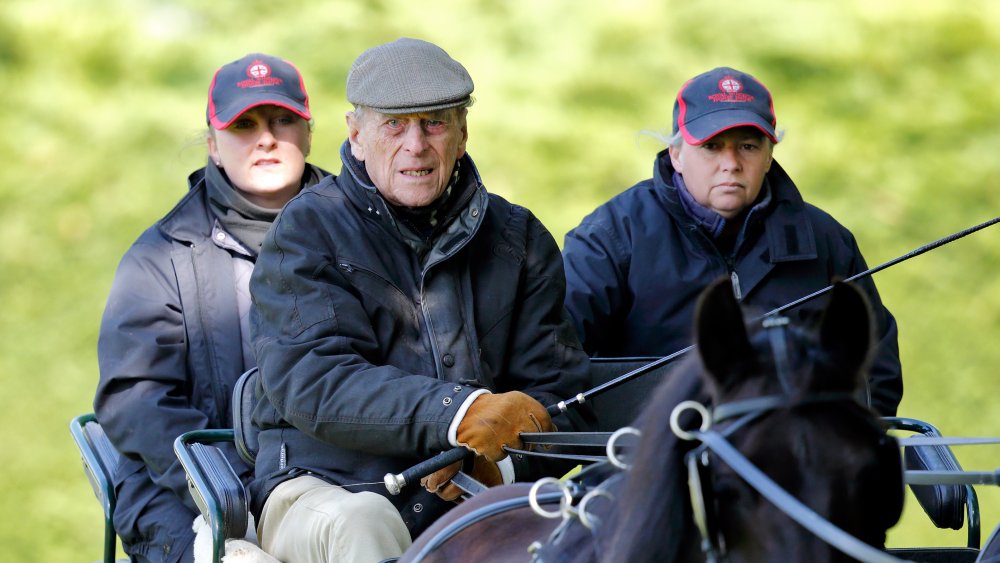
812,437
771,356
817,443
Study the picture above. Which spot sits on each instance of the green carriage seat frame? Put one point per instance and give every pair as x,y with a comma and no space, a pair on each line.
212,482
100,462
947,506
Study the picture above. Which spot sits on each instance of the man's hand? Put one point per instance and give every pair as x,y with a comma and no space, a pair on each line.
496,420
439,482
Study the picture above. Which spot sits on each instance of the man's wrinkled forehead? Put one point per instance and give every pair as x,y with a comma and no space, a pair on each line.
447,114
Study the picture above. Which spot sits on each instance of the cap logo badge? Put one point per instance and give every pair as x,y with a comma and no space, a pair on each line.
732,91
260,75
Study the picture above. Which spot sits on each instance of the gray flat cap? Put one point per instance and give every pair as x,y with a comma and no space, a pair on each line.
408,76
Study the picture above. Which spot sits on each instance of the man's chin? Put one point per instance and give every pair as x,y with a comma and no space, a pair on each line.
416,197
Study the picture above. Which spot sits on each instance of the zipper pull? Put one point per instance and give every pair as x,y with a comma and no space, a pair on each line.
736,285
346,267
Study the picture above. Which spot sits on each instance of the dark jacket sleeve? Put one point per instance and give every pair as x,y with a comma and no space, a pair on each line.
142,398
885,380
596,259
319,359
547,360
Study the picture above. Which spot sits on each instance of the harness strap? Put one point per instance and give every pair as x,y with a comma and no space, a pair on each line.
920,477
799,512
759,405
560,445
566,438
699,509
945,441
481,514
553,455
755,405
775,326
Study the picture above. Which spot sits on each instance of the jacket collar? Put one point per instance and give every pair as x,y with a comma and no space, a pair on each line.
178,225
458,227
789,232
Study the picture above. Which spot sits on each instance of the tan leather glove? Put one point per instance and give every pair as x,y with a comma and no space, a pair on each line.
439,482
495,420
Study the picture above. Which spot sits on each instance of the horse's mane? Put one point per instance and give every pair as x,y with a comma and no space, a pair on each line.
651,513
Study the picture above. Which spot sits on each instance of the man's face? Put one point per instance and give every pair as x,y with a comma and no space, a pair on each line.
409,157
726,172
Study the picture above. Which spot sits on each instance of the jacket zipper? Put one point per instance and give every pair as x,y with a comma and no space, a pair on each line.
351,268
735,279
430,331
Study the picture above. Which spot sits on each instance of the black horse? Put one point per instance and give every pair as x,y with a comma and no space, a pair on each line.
797,419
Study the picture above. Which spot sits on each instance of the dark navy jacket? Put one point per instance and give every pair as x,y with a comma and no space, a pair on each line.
635,267
368,345
170,350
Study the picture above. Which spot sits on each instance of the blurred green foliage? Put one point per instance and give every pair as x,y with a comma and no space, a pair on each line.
890,107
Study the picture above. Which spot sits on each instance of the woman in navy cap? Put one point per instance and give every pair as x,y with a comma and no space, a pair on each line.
174,335
718,204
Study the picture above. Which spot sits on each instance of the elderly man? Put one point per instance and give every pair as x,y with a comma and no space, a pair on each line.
401,310
717,205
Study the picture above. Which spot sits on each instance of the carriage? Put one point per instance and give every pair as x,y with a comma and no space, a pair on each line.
943,489
223,501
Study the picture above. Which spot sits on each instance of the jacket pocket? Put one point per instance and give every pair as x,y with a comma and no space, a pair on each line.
394,316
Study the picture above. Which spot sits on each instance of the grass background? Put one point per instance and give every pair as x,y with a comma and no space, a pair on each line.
891,110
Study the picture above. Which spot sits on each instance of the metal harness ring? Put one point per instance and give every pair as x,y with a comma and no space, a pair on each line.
566,500
582,509
675,424
610,448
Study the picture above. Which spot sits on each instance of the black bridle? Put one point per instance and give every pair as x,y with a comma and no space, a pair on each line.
739,414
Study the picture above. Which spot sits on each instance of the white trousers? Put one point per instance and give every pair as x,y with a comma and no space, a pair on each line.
307,520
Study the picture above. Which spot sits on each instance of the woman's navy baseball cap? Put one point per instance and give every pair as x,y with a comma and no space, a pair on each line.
720,99
255,80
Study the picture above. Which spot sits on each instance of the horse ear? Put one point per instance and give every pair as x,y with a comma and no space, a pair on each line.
846,332
720,331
